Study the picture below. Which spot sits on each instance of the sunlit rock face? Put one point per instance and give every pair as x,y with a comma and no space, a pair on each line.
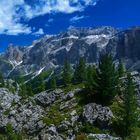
51,50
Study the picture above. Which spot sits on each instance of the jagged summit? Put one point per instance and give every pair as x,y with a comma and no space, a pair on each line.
51,50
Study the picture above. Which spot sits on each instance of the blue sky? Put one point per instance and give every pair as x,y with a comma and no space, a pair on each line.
22,21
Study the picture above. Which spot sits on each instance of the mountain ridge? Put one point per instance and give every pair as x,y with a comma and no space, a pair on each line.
50,51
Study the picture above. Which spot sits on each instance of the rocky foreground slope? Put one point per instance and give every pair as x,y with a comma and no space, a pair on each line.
51,50
58,115
52,115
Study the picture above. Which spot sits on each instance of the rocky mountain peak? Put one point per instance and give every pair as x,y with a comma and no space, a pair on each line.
107,30
14,53
51,50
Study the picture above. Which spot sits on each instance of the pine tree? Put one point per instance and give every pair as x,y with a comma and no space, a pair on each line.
130,114
7,84
121,73
39,84
66,73
29,89
2,84
91,72
80,71
106,80
14,85
53,83
23,90
121,69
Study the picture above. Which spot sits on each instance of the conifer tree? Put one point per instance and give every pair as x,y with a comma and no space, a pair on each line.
7,84
39,84
23,90
29,89
80,71
2,84
121,73
130,114
106,80
15,85
121,69
66,73
53,83
91,72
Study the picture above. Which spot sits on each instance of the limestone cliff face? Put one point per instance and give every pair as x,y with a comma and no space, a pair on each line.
14,53
126,45
51,50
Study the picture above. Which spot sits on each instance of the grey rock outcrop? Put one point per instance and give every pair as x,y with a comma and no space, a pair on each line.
7,99
50,133
22,116
94,113
32,117
47,97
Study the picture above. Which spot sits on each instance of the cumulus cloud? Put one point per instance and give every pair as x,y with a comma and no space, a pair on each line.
9,19
12,11
77,18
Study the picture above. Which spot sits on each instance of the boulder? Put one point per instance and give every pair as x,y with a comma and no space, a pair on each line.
94,113
48,97
64,126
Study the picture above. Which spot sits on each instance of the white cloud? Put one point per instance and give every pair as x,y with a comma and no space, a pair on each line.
39,32
12,11
9,20
77,18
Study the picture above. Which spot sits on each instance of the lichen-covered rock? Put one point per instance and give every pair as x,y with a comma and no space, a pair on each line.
22,116
50,133
48,97
64,126
7,99
94,113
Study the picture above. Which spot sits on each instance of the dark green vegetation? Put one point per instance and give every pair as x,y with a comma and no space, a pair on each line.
80,71
106,80
102,84
2,84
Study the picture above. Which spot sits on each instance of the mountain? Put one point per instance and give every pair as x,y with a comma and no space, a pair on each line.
51,50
